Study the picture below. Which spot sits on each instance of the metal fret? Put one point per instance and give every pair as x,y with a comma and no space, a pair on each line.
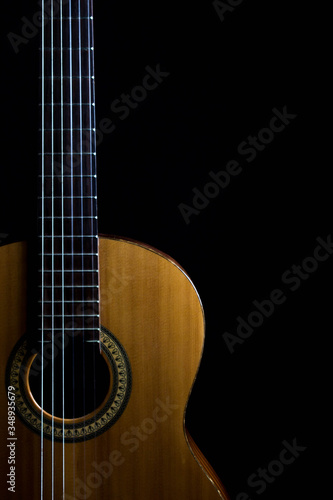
69,236
67,286
65,77
67,316
73,18
94,176
69,329
71,217
68,48
67,153
68,301
68,271
67,104
65,197
65,129
68,254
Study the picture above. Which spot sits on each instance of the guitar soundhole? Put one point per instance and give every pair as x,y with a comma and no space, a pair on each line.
71,382
84,392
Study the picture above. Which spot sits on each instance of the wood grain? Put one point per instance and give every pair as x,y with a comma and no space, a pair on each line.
151,306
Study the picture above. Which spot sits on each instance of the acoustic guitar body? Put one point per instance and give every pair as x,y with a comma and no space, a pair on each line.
134,446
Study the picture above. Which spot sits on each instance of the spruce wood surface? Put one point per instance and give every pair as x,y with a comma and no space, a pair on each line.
150,305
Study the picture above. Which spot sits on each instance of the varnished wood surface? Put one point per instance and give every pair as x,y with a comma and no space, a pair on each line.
151,306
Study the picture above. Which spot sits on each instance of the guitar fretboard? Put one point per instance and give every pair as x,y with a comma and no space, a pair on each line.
67,198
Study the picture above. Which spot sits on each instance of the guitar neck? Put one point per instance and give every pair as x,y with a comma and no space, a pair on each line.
67,187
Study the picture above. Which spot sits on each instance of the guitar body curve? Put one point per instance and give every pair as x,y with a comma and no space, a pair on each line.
150,306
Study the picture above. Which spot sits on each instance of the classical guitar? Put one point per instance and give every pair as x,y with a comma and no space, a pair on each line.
101,337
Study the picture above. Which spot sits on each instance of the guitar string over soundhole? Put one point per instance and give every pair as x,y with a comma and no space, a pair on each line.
91,400
76,379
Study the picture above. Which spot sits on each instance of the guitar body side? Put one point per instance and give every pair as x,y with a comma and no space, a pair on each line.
150,305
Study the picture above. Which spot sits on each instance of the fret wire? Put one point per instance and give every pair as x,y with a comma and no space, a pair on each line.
71,271
94,176
67,286
68,254
65,77
64,129
65,197
68,48
71,329
71,18
68,104
63,153
68,316
73,217
70,236
69,301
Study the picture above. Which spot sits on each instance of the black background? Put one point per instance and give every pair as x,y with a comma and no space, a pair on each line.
225,78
